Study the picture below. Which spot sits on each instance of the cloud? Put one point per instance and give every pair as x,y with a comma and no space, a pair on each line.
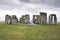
9,1
55,3
32,7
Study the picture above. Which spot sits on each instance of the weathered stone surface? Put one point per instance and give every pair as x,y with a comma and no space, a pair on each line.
25,19
36,19
43,18
21,20
8,19
52,19
14,19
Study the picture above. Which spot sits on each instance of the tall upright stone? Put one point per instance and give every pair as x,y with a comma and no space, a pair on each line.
43,18
27,19
36,19
52,19
8,19
14,19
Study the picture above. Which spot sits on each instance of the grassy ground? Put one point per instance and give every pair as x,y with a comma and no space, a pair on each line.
24,32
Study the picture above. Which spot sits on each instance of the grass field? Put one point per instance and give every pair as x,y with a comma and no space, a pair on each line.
32,32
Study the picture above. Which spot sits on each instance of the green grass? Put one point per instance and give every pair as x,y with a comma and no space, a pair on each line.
32,32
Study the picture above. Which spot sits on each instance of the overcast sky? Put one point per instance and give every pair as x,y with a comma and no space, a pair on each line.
31,7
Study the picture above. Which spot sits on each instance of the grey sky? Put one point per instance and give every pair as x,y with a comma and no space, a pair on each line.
21,7
55,3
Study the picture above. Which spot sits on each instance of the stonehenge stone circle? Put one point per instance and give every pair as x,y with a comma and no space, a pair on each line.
37,19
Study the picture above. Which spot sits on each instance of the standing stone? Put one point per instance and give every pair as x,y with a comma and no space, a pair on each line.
25,19
36,19
14,19
22,19
52,19
8,19
43,18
